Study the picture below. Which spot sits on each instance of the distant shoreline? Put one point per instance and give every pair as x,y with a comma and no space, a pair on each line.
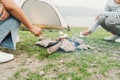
79,21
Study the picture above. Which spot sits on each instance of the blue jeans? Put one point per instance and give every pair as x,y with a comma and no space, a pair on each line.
9,32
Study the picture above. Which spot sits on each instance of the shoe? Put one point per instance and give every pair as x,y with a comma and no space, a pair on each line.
111,38
117,40
4,57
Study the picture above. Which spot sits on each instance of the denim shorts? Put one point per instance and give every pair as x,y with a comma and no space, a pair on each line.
9,32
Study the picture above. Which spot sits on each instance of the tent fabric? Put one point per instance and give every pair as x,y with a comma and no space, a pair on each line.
42,12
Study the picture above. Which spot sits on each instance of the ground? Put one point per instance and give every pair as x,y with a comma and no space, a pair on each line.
33,63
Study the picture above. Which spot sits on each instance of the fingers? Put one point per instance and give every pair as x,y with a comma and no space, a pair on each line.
4,15
87,32
38,33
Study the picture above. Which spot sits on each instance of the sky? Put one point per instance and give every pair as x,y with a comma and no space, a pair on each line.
96,4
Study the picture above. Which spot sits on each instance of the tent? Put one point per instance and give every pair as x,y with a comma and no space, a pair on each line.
41,12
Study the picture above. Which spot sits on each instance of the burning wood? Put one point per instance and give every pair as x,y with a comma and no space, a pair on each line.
64,43
54,48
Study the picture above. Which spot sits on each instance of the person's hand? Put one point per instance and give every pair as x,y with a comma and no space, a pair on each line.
86,32
3,13
36,31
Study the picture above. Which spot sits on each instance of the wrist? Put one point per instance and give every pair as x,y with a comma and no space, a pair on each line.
90,31
30,26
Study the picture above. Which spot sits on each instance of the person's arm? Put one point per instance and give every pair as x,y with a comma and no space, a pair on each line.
91,29
94,26
112,14
14,10
107,11
107,7
3,13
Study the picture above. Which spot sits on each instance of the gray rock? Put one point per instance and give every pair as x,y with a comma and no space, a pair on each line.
83,47
46,42
67,46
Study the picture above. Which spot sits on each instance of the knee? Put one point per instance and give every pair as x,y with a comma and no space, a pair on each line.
110,22
101,19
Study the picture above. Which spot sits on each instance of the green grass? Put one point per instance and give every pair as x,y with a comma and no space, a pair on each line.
93,64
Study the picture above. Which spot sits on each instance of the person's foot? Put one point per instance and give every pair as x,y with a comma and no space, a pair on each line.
117,40
4,57
111,38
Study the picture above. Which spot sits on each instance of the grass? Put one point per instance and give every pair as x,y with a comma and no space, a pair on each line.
93,64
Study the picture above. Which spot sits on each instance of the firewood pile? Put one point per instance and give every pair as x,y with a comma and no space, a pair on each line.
63,43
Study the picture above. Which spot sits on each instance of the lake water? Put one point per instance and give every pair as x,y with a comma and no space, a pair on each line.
78,21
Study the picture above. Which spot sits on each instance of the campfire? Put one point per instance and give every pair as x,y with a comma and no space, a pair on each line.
63,43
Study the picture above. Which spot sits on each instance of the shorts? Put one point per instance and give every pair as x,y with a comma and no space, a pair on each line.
9,32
